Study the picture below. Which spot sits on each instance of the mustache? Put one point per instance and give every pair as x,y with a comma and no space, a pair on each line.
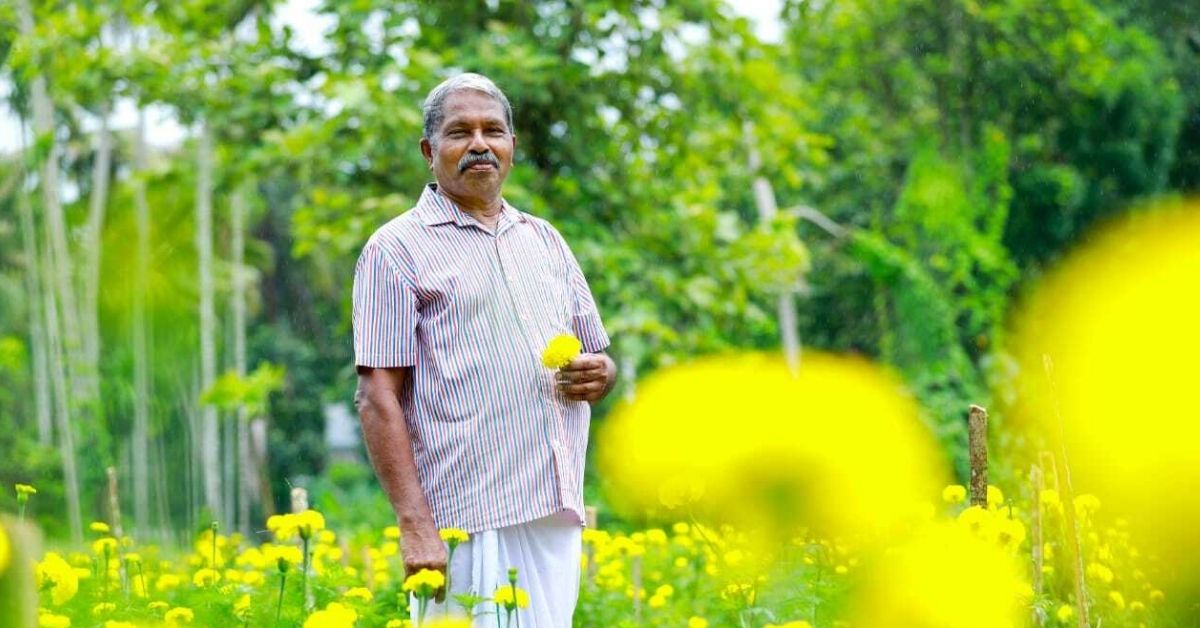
470,159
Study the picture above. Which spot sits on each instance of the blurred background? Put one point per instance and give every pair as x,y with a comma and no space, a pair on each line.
185,187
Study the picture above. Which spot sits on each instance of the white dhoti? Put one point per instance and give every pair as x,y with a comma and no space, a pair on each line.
546,554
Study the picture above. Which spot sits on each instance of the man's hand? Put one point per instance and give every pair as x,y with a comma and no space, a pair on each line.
588,377
422,548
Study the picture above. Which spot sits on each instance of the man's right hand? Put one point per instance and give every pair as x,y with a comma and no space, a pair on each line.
422,548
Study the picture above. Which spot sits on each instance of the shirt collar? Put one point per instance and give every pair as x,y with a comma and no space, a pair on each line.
435,208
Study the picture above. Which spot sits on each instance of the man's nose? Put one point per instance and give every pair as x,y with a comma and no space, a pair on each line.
478,145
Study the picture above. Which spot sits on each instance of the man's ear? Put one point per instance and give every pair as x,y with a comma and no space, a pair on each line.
427,151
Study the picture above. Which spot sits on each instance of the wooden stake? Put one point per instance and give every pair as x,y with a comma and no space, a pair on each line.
114,502
977,443
590,517
18,585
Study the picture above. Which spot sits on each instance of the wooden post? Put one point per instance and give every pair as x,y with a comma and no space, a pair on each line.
590,517
114,503
18,585
1039,483
977,442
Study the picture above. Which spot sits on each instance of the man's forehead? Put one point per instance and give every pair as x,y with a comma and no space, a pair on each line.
466,105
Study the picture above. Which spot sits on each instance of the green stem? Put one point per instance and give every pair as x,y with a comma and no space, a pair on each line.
516,608
214,548
304,579
21,511
449,560
279,606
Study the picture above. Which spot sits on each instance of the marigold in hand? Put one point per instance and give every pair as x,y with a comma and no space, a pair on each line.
424,583
561,350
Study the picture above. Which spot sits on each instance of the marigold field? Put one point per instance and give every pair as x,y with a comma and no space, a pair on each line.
964,561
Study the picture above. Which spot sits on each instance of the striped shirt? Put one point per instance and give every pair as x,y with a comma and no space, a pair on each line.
471,310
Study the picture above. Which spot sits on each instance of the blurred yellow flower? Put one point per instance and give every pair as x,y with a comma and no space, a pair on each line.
332,616
98,526
1099,573
119,624
359,593
241,607
206,577
309,523
50,620
561,350
56,573
25,490
5,550
1065,613
391,532
103,608
1118,322
166,582
453,536
954,494
1117,599
995,497
697,622
424,583
809,449
179,616
948,574
105,546
504,597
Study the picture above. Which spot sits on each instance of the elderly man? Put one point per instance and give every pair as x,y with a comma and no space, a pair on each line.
454,303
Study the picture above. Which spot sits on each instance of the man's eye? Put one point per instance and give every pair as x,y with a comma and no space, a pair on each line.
496,132
456,133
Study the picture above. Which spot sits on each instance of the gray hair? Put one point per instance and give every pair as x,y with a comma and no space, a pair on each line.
434,105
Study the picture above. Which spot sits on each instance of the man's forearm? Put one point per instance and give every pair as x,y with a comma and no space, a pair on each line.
387,440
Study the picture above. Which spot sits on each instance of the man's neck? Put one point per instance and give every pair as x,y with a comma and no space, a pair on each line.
485,210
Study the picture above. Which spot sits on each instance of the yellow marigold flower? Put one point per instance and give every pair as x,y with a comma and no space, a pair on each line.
333,616
158,605
995,497
841,570
1156,596
1049,498
392,532
683,528
1099,572
697,622
50,620
359,593
504,597
979,521
389,549
1010,533
1118,600
179,616
25,490
424,583
53,569
734,557
252,578
106,545
206,577
561,350
1136,606
241,608
5,551
453,536
954,494
327,537
166,582
1065,613
103,608
119,624
133,558
284,527
99,526
309,523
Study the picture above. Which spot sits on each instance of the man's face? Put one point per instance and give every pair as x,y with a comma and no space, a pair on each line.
471,153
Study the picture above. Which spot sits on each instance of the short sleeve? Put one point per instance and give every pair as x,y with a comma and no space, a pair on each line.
585,318
384,312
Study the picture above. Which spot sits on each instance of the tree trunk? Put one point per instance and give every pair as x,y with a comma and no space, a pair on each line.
247,484
58,273
141,358
210,458
90,269
37,328
764,199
